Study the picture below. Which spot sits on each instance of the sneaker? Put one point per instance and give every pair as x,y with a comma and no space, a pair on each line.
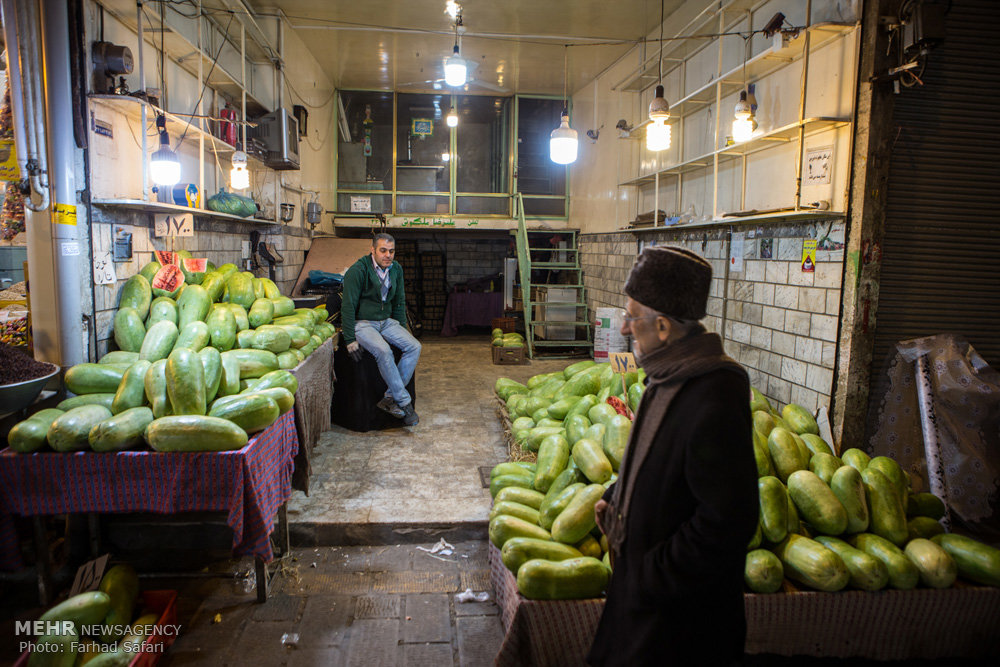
389,405
410,417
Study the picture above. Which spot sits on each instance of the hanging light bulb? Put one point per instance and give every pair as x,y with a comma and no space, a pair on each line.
446,157
452,118
164,168
658,132
239,177
454,69
562,141
744,123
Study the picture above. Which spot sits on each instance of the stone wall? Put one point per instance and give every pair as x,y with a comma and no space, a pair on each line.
781,323
219,241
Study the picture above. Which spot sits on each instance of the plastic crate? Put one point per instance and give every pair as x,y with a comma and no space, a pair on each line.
162,603
508,356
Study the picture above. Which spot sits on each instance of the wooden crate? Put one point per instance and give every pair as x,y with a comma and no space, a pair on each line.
508,356
505,324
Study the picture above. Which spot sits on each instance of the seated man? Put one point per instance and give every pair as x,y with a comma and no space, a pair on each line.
373,315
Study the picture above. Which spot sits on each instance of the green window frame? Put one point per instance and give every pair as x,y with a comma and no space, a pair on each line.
460,203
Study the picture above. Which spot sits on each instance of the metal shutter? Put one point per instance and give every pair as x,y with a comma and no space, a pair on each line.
940,256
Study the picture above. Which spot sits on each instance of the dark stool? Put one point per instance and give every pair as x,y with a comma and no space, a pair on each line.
358,388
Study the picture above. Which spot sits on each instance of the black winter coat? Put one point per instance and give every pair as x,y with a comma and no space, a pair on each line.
676,593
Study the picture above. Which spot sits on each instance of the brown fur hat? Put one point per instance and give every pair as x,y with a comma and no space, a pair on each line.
671,280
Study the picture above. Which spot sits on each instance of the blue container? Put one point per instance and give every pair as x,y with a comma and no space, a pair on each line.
187,194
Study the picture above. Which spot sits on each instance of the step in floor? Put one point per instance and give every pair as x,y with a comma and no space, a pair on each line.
414,484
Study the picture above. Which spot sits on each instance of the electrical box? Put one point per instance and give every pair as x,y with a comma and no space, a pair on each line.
278,131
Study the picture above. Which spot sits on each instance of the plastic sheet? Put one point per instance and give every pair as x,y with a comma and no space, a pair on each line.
957,422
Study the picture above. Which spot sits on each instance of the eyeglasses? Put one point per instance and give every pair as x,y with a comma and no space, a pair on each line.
626,318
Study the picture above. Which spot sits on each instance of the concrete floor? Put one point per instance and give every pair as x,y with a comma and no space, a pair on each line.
414,484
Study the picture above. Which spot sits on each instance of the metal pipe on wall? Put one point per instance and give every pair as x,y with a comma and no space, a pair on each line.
26,22
14,82
66,247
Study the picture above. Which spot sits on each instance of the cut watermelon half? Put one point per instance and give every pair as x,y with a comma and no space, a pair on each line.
167,281
196,265
166,257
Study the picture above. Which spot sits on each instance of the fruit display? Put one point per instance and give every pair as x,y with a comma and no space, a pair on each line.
190,373
105,627
575,422
831,522
501,339
826,522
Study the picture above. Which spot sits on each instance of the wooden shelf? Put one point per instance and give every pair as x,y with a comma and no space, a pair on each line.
160,207
759,142
781,216
177,126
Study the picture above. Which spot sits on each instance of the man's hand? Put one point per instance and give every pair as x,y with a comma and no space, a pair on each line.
354,350
599,509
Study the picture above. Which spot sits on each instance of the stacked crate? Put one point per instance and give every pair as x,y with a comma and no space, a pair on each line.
406,255
433,290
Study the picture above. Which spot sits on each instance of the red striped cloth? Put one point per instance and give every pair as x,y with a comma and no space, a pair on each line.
249,484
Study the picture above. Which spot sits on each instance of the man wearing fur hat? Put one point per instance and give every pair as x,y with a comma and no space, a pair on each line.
684,507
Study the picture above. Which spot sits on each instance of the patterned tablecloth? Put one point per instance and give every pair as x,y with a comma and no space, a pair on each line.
249,484
312,407
963,621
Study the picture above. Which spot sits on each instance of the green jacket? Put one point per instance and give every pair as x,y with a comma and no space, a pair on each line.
363,296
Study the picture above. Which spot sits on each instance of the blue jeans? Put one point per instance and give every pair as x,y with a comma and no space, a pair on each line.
376,337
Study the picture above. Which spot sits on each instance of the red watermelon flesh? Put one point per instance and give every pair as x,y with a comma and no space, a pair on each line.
196,265
167,281
166,257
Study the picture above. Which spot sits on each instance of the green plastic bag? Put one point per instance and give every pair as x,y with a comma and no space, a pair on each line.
233,204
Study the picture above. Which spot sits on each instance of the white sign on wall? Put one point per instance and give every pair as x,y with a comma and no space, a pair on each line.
736,246
172,224
819,163
361,204
104,268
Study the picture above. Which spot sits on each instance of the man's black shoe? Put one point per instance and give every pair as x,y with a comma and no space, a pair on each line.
410,417
389,405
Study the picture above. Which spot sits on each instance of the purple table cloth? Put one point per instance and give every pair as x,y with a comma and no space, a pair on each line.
249,484
473,308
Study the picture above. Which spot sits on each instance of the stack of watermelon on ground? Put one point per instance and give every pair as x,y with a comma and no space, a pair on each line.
202,362
826,522
577,422
852,521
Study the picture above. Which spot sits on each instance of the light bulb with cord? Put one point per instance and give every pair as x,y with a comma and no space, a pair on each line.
658,132
455,69
452,118
744,123
164,167
563,144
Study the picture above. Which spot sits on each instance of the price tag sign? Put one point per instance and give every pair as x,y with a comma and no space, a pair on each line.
104,269
170,224
88,577
623,362
361,204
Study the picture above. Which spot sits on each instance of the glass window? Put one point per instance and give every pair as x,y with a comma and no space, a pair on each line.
545,207
465,204
425,204
536,173
364,153
422,140
481,140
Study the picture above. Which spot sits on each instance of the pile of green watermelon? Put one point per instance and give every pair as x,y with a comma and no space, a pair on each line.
577,422
826,522
202,363
852,521
501,339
